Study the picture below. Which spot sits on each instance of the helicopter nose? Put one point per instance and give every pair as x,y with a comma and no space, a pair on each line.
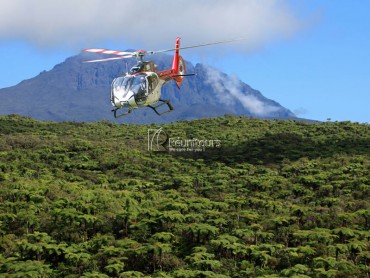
120,97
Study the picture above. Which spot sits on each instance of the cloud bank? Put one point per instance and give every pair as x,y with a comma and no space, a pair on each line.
229,91
149,23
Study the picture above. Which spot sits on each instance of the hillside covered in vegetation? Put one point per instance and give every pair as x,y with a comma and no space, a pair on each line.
275,199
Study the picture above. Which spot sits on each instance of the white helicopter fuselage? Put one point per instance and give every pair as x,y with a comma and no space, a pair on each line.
136,90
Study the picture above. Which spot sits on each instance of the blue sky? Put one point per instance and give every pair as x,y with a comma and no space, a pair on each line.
311,56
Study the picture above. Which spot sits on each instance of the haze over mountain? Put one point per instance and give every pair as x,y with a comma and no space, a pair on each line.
77,91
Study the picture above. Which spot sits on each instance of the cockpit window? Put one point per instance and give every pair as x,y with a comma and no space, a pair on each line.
136,84
135,69
152,81
122,84
140,88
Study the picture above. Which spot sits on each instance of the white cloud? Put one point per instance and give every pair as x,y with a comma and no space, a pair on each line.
228,91
82,23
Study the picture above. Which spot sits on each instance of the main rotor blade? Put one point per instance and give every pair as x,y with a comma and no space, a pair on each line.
194,46
108,51
139,53
108,59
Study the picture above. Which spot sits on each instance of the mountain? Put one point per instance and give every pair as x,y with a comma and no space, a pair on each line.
77,91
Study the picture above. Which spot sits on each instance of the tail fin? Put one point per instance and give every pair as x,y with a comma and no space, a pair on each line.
178,64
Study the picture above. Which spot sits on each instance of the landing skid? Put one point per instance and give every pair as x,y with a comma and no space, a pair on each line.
123,114
163,102
170,107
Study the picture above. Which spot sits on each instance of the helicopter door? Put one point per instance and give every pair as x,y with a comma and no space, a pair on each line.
140,88
153,81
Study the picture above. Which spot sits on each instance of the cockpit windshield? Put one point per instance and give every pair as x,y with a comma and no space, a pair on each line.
130,83
122,84
139,86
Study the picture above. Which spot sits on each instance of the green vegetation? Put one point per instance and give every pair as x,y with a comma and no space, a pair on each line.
278,199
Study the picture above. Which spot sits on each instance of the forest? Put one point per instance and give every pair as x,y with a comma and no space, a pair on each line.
277,198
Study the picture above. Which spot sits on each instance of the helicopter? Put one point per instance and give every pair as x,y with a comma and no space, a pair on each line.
141,85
